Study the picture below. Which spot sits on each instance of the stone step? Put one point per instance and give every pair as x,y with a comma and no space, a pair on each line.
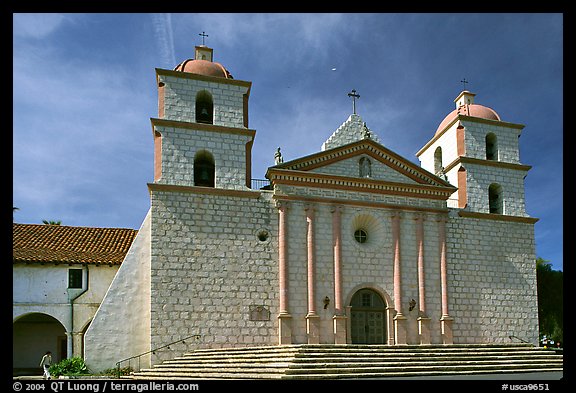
360,359
352,361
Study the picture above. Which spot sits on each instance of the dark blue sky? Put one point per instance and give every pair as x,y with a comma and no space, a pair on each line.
84,93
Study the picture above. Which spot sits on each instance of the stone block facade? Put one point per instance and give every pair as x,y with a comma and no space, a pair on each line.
212,260
179,95
492,280
353,244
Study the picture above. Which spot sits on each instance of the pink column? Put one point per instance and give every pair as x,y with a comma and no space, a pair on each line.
312,319
337,238
421,273
397,269
399,318
283,256
446,320
284,318
423,320
310,251
339,318
443,269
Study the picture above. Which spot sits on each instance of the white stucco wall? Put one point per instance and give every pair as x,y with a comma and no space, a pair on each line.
121,326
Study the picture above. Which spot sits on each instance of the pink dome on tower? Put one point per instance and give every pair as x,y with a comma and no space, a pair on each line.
465,106
202,64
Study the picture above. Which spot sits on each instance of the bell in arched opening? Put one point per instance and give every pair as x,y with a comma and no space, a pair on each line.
204,169
204,107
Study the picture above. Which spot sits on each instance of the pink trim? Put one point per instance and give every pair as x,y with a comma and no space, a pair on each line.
283,256
397,273
337,237
310,252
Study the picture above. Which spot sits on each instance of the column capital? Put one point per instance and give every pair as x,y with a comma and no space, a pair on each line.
336,209
309,208
419,216
442,217
396,214
282,205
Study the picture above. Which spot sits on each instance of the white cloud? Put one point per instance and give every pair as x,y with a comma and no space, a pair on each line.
162,24
36,25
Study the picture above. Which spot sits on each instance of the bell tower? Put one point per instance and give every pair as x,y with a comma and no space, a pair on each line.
201,134
478,153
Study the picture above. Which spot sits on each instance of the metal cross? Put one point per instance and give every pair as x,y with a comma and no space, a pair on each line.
354,96
203,34
464,81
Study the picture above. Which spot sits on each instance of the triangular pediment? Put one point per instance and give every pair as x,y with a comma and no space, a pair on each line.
344,161
341,167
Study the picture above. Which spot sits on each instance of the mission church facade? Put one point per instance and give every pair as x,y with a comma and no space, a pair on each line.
353,244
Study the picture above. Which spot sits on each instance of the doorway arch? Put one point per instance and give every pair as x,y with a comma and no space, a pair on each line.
368,320
32,335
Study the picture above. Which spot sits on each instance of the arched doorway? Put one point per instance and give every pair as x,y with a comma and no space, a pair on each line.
368,317
32,335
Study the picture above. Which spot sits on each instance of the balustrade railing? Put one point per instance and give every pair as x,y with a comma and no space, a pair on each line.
261,184
182,340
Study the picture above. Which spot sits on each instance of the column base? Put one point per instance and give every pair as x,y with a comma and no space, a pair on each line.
313,328
400,329
340,329
424,330
446,329
284,329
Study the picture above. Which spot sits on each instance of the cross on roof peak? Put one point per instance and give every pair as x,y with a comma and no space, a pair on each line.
354,95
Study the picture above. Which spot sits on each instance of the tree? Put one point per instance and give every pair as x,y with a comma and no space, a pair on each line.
550,300
51,222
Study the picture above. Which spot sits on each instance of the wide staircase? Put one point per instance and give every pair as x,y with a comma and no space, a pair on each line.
309,361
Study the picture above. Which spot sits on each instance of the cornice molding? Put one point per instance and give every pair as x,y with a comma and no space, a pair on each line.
200,127
321,180
498,217
206,78
159,187
477,161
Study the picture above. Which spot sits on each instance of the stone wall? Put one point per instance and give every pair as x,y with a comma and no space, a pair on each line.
492,280
227,95
212,262
480,177
180,146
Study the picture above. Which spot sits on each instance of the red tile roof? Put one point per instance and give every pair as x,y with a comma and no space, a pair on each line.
35,243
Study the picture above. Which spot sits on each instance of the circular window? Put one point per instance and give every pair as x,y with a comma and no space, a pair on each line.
366,230
361,236
263,235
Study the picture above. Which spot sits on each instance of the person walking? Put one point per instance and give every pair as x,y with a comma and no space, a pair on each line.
45,364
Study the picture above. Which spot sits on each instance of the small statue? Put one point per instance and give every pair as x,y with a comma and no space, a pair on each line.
278,157
366,132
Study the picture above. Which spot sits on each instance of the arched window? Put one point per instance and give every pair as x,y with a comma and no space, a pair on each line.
438,160
491,147
204,169
365,167
204,107
495,199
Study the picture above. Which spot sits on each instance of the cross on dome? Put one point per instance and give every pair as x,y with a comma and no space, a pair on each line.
203,34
